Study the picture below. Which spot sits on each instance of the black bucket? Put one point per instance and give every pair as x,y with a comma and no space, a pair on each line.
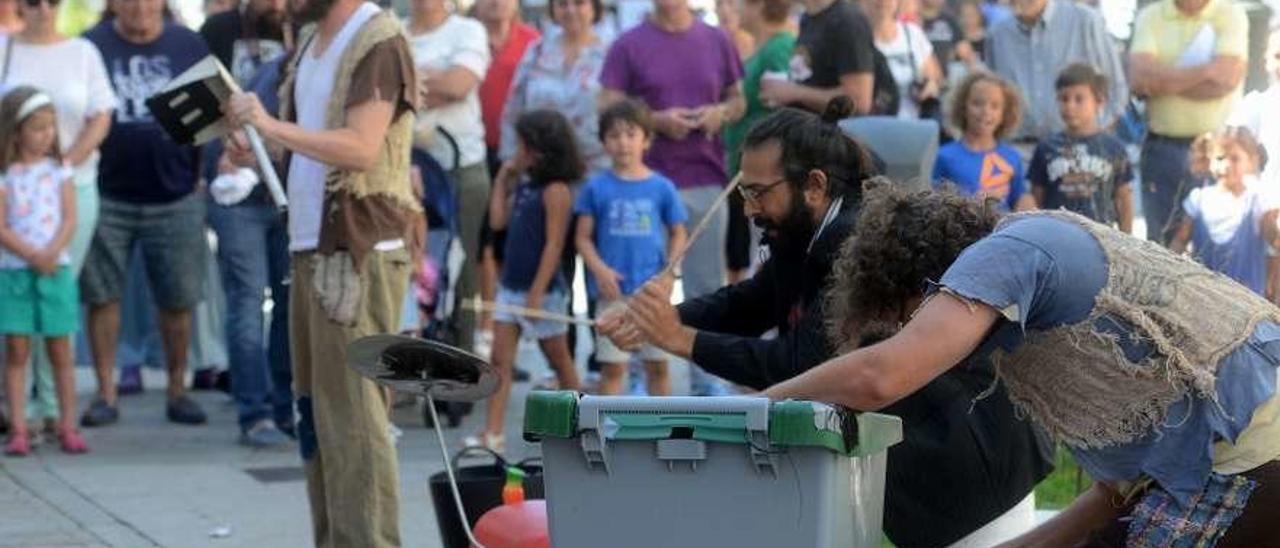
480,486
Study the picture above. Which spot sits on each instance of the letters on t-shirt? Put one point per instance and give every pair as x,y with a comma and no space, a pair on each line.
137,78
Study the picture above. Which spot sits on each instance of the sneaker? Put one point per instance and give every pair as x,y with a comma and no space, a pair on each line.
130,380
19,445
494,442
99,414
263,434
72,443
288,430
223,381
184,410
205,378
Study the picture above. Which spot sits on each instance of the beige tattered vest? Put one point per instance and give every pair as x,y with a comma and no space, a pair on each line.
1076,382
361,208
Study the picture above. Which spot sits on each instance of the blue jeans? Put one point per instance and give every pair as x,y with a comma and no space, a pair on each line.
253,255
1166,181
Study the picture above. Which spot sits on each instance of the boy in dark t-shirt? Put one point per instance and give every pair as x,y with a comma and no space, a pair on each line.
1083,168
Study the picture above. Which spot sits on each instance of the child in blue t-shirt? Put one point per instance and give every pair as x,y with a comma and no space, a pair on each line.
985,110
1083,169
630,220
531,200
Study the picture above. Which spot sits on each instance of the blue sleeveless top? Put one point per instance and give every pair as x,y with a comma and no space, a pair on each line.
526,236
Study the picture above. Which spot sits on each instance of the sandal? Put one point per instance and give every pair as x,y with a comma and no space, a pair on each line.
72,443
494,442
19,445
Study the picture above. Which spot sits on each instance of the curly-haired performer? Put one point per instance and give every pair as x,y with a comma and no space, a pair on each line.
960,476
1159,374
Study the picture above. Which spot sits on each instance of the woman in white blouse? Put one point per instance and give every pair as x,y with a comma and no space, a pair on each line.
562,72
71,72
910,56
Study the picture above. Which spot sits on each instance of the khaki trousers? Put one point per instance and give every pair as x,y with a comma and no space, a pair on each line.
352,474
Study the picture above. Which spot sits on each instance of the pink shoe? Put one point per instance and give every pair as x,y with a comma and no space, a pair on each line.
72,442
19,445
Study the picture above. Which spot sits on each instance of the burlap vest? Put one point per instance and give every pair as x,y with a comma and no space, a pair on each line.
363,207
360,208
1075,380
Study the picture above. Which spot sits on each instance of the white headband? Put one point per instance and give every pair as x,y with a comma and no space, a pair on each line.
32,104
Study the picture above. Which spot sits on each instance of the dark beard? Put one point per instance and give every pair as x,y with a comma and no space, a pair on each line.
313,11
792,233
269,25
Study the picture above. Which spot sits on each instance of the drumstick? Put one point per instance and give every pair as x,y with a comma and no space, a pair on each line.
702,225
477,305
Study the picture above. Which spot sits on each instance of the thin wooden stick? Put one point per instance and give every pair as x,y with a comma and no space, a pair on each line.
702,225
477,305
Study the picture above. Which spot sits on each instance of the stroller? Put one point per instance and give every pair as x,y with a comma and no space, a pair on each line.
435,286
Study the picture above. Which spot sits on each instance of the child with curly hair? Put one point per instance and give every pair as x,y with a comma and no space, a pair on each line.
984,110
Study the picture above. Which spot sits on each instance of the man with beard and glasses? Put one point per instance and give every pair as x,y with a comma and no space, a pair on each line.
345,118
961,477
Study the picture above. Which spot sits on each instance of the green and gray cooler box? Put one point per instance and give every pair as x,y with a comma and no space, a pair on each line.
727,471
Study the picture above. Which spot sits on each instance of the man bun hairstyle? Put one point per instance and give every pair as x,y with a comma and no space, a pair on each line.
810,142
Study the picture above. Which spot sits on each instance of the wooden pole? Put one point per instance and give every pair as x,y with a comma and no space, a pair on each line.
477,305
702,225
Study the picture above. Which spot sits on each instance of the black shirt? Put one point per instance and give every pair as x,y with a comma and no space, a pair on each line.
956,469
943,32
241,51
832,43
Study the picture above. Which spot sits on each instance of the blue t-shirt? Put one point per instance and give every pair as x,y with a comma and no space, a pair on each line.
1043,273
631,218
526,236
1081,174
140,163
995,173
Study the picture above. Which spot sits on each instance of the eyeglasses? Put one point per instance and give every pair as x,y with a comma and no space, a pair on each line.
567,3
754,193
36,3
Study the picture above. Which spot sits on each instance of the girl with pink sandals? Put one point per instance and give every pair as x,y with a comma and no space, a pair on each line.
37,287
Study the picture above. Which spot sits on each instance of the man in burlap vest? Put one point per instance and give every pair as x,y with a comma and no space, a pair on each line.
347,103
1158,374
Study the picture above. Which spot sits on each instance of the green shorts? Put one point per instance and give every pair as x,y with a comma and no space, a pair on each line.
39,305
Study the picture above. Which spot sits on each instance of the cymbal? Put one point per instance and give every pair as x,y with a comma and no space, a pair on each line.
419,366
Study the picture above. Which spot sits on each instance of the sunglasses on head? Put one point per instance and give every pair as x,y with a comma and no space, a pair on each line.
36,3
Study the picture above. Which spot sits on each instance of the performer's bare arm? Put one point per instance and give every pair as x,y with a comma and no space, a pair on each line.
1091,511
941,334
353,147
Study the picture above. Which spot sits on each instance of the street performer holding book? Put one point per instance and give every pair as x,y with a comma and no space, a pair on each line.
346,113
